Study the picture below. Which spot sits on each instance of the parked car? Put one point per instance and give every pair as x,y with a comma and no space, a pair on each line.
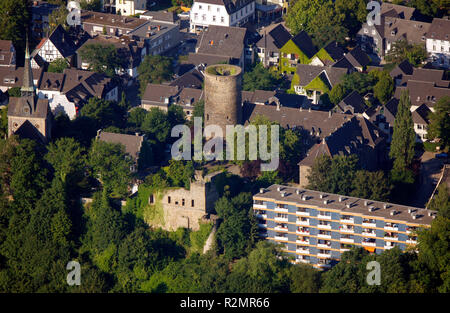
184,14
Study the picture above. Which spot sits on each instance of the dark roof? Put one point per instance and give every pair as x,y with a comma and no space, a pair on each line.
132,143
98,18
222,41
334,50
404,68
423,93
15,107
439,29
52,81
400,11
420,115
162,16
15,75
304,42
280,36
357,57
189,96
156,93
354,103
396,29
206,59
62,41
332,75
193,79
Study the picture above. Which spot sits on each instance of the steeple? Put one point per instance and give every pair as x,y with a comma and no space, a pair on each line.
27,89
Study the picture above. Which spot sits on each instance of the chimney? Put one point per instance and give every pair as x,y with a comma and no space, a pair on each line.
329,114
283,194
325,201
159,27
348,205
297,191
279,188
340,199
414,216
321,196
304,198
385,206
393,212
261,190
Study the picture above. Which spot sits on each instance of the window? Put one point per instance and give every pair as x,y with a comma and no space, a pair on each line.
203,17
182,202
200,7
168,199
151,200
192,203
222,19
214,18
209,8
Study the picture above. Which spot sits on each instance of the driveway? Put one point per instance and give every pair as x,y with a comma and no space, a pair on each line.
429,176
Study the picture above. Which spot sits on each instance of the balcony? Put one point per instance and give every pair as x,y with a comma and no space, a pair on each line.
302,213
390,238
281,238
324,255
305,251
281,219
369,224
303,260
279,228
321,265
369,234
347,230
344,250
324,245
411,241
259,206
302,223
280,209
327,217
302,232
347,221
324,236
388,247
323,226
369,244
262,225
348,240
391,228
302,241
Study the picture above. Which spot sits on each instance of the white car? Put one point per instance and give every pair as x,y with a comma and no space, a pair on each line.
184,14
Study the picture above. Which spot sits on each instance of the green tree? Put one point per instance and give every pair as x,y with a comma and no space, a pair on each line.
157,125
384,88
401,50
302,13
103,112
91,5
58,66
101,58
441,201
14,92
260,78
67,157
3,122
371,185
110,163
136,117
154,69
57,17
403,141
440,122
14,23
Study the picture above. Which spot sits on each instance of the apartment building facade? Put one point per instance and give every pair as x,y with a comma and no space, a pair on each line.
438,42
220,13
316,227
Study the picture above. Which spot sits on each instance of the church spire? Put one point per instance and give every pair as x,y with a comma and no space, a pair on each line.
28,84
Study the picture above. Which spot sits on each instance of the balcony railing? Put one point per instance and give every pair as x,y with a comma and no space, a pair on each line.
302,241
391,228
281,228
369,224
324,245
369,244
261,216
322,226
347,220
369,234
281,219
324,236
262,225
303,223
345,249
388,247
306,251
390,238
324,255
259,206
411,241
347,230
281,238
328,217
302,213
350,240
321,265
280,209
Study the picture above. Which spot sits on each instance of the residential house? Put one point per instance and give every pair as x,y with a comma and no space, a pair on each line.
328,55
205,13
109,24
7,54
131,52
161,17
353,103
297,50
59,45
40,12
133,144
220,44
313,81
163,96
275,98
383,116
273,38
269,10
11,77
438,42
67,92
191,79
130,7
397,23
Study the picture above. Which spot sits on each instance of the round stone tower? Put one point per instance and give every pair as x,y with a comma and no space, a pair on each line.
223,99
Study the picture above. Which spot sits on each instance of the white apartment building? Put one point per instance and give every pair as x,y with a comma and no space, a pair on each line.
130,7
220,13
438,42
